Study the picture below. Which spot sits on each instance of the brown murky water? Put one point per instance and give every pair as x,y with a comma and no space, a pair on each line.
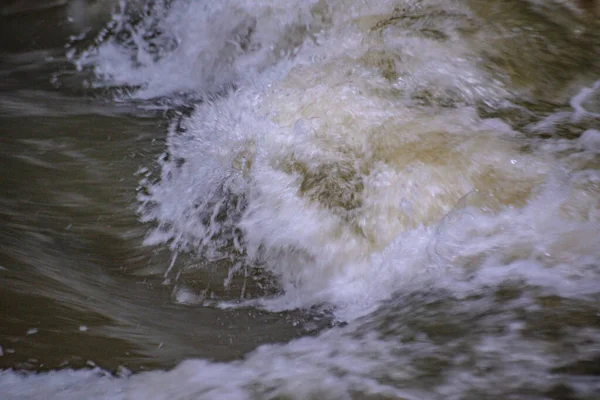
70,239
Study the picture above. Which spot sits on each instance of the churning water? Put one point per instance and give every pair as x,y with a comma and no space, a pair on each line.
412,186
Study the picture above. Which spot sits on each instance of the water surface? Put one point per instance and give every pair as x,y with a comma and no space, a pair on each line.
301,199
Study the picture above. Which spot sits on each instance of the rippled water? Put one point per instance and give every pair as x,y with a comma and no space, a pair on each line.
301,199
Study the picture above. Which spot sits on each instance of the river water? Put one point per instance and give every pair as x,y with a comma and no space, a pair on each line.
300,199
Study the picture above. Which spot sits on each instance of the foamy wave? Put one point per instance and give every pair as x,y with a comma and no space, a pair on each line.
182,47
331,133
339,156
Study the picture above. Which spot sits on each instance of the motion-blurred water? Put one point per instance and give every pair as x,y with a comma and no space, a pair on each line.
412,187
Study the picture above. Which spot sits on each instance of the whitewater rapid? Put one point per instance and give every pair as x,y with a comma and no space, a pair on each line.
426,171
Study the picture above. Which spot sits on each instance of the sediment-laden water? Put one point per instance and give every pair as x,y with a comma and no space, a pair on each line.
300,199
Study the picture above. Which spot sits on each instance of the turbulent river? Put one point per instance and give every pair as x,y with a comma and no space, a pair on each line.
300,199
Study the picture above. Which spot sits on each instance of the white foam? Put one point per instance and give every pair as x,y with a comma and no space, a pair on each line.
191,48
324,162
578,102
589,140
